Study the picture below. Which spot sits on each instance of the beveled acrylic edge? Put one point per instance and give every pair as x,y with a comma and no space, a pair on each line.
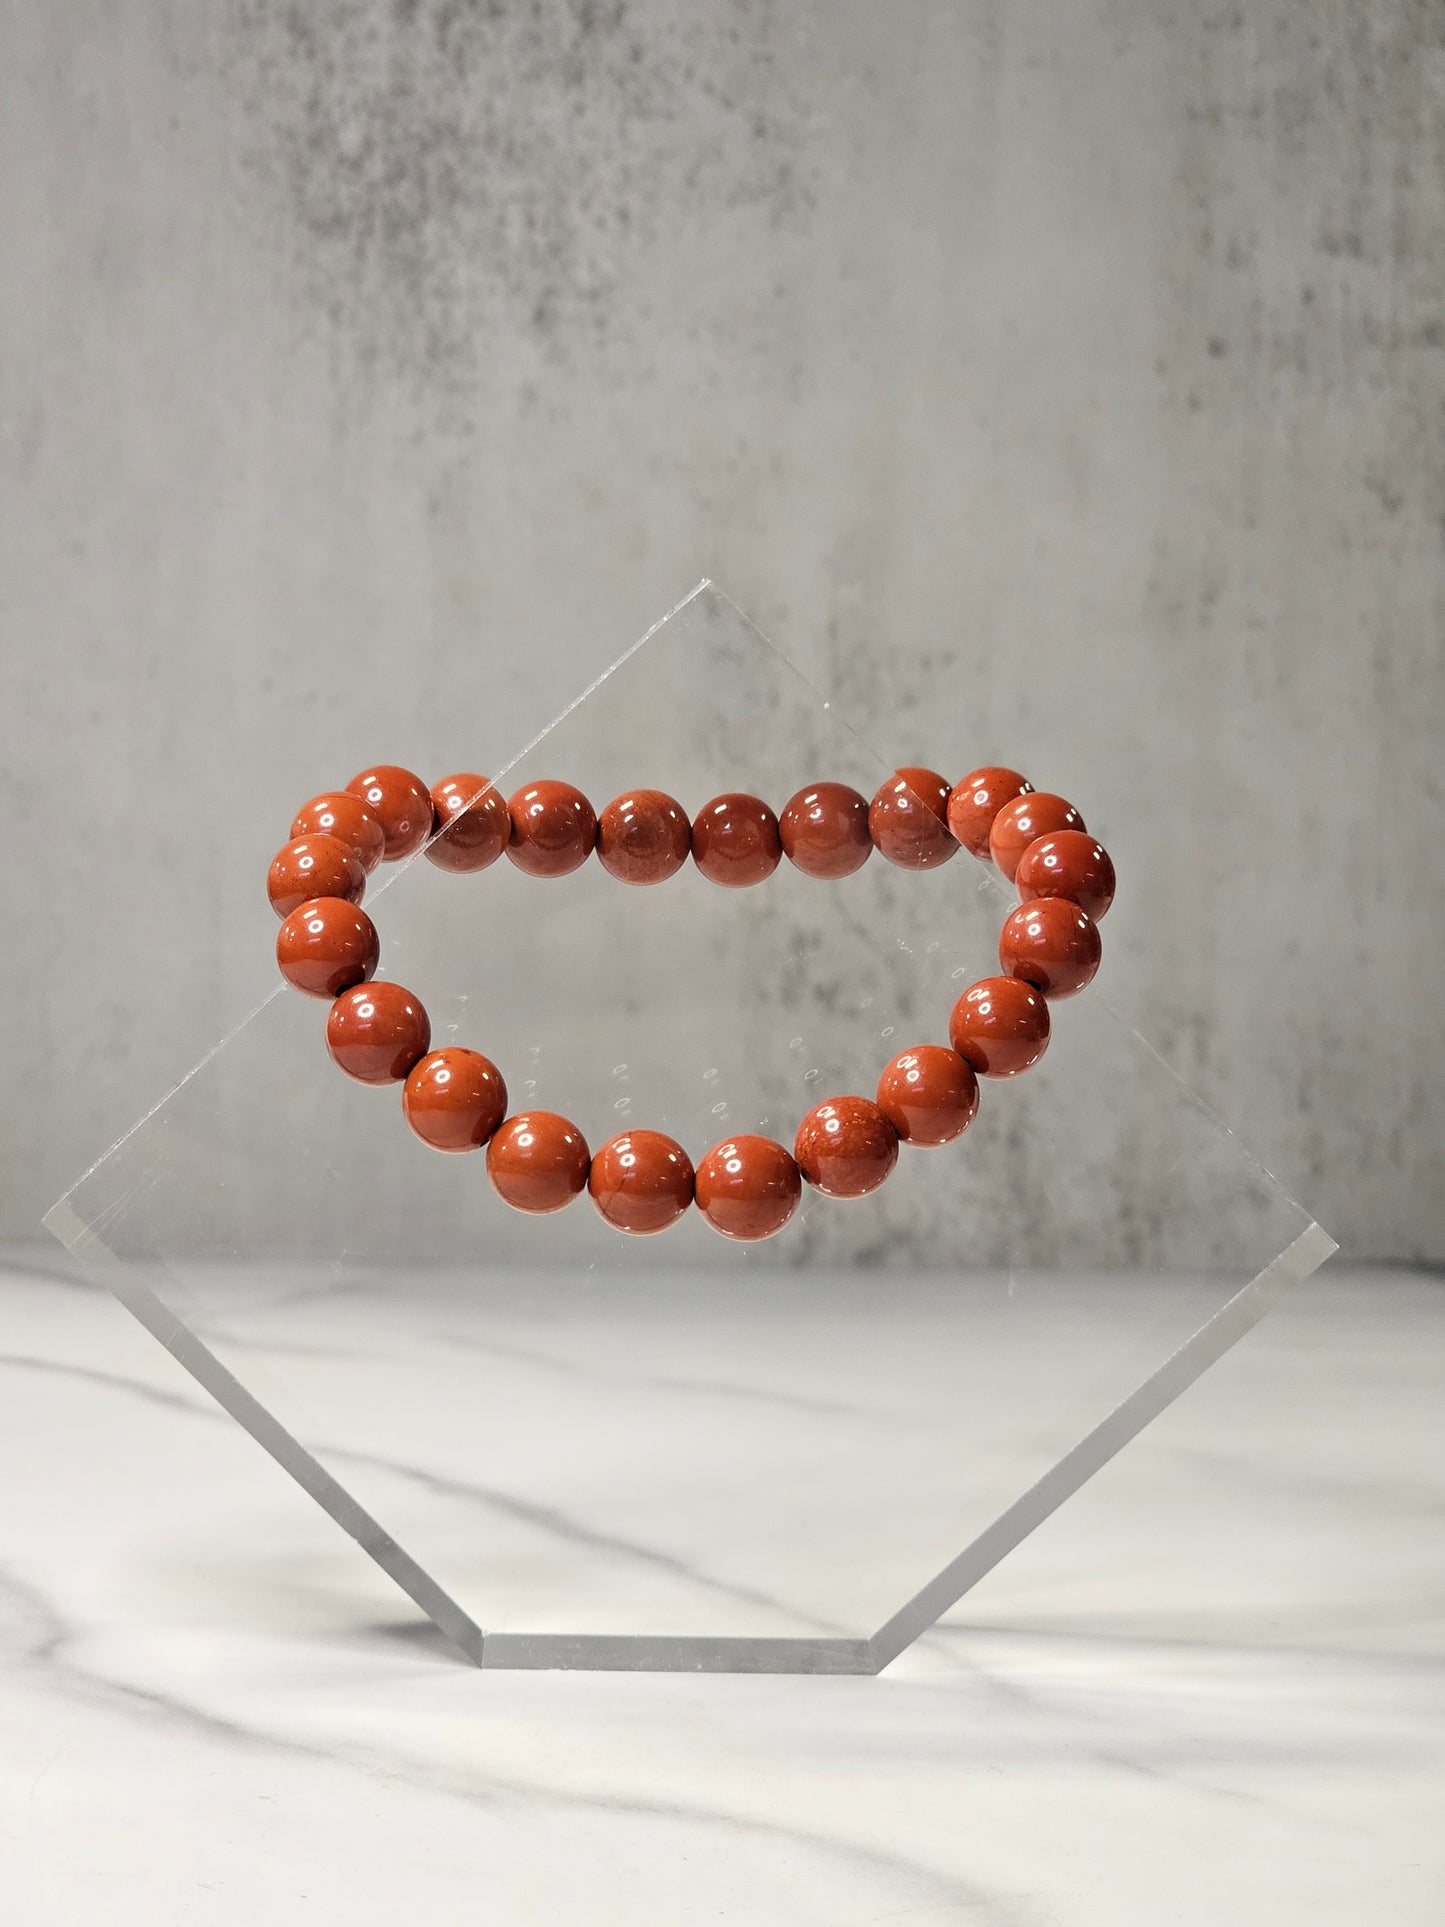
1154,1395
674,1653
397,869
288,1452
670,1653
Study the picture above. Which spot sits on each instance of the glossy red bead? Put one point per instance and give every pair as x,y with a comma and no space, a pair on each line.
1028,817
326,946
735,840
377,1032
538,1162
643,837
314,866
1000,1026
908,820
400,802
641,1182
929,1094
454,1099
1068,864
470,824
976,801
846,1147
1051,944
340,814
748,1188
824,830
554,829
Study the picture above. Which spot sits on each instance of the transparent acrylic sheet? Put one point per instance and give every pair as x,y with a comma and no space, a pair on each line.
575,1448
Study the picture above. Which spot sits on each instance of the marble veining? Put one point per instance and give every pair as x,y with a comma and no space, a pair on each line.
1211,1688
546,1519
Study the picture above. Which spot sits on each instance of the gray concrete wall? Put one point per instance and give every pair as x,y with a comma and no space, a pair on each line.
1057,384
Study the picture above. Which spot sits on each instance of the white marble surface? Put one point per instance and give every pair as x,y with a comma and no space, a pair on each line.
1208,1691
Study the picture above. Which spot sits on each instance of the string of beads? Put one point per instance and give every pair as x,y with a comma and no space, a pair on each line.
747,1187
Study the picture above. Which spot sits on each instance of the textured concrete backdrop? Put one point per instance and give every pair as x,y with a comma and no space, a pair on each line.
1059,385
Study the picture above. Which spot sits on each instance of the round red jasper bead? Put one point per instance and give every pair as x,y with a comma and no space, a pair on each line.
1000,1026
340,814
377,1032
846,1147
643,837
929,1094
470,821
908,820
326,946
1024,820
1051,944
824,830
454,1099
538,1162
1067,864
314,866
400,802
735,840
748,1188
554,829
977,800
641,1182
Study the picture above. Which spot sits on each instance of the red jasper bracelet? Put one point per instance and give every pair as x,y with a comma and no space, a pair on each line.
746,1187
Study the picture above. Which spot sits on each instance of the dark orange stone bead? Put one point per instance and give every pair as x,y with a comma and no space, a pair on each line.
641,1182
326,946
643,837
735,840
977,800
824,830
340,814
1051,944
1067,864
908,820
846,1147
538,1162
1024,820
929,1094
454,1099
400,802
471,824
377,1032
1000,1026
553,829
748,1188
314,866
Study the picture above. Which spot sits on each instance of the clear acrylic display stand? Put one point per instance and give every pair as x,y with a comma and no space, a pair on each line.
578,1449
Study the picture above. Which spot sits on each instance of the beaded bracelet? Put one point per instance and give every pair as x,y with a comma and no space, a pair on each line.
747,1187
